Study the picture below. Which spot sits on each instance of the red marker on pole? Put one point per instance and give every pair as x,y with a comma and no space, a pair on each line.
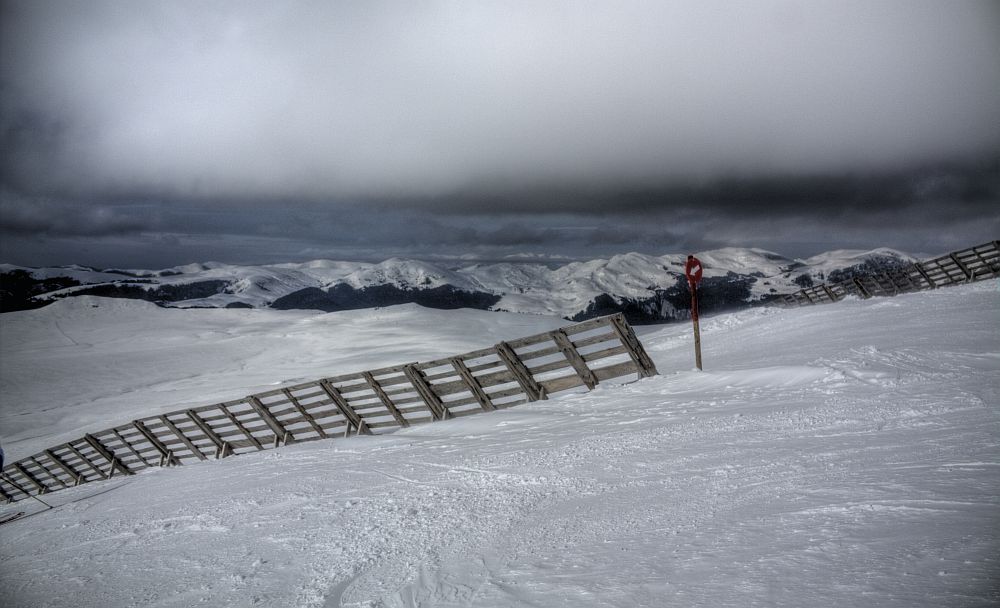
693,271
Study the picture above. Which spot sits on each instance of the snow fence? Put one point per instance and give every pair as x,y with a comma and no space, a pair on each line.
973,264
376,401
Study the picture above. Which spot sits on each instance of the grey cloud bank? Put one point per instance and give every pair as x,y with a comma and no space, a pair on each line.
409,126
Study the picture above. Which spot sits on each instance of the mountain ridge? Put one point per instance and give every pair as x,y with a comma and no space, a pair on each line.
647,288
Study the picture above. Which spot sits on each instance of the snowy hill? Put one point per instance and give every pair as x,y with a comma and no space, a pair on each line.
646,288
827,455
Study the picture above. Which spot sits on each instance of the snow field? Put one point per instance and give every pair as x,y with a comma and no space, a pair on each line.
831,454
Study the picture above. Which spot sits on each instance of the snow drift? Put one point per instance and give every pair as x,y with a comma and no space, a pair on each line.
827,455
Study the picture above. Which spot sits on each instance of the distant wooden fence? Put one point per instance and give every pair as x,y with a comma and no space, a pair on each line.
974,264
380,400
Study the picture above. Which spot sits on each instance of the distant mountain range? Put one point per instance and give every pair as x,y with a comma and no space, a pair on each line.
646,288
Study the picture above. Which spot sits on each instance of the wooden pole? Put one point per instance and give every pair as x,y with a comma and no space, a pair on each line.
573,356
433,402
384,398
474,387
635,350
697,328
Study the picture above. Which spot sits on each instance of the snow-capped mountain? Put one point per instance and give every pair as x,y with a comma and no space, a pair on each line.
647,288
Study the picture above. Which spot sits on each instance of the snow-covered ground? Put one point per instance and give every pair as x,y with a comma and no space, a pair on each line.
846,454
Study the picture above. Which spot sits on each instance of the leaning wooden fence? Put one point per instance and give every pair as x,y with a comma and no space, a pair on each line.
375,401
973,264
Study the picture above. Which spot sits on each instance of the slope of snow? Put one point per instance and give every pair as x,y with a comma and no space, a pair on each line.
407,274
825,263
743,261
830,455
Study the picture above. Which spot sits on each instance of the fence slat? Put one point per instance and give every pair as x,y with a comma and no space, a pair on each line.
305,415
246,433
85,460
65,467
166,456
473,385
280,434
39,461
961,266
635,350
419,382
574,358
13,483
217,441
531,388
187,442
386,401
131,448
113,461
352,417
42,488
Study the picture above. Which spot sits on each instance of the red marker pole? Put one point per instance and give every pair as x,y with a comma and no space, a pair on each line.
697,329
693,271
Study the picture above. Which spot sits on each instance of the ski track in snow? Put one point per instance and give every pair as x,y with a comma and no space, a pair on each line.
845,453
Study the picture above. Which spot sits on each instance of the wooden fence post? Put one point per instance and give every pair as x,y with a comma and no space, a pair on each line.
280,434
10,481
352,417
38,462
302,411
239,426
386,401
961,266
113,462
631,343
65,467
42,488
128,445
573,356
187,442
861,288
217,441
923,273
85,460
166,456
474,387
419,382
531,388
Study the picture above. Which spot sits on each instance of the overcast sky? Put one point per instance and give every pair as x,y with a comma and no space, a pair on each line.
142,133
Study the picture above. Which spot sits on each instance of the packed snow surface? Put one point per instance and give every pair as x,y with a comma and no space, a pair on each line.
846,454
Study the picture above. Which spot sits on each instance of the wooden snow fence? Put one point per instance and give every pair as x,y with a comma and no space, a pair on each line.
375,401
973,264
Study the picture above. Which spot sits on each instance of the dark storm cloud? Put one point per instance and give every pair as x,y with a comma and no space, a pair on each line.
972,187
410,101
41,217
307,127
